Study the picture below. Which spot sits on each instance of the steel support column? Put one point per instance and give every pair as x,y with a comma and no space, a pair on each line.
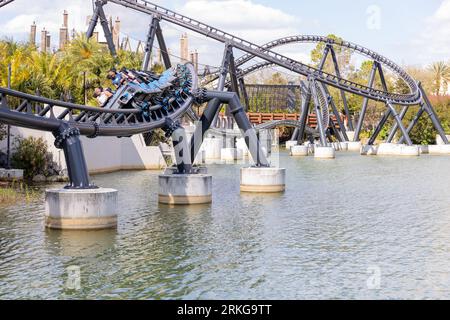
149,42
395,127
306,99
211,112
298,135
238,112
380,126
105,26
365,103
68,139
344,98
163,47
244,93
342,130
92,23
400,124
180,145
432,114
318,112
413,122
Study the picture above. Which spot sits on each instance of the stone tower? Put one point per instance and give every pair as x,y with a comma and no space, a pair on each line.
64,32
33,33
184,48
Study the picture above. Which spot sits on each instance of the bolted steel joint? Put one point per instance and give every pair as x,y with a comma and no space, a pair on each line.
62,136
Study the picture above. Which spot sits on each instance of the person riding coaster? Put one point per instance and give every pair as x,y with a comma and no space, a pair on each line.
152,94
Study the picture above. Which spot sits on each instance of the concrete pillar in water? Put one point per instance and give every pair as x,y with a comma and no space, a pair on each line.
241,145
290,144
185,189
231,154
324,153
369,150
213,147
300,151
263,180
354,146
392,149
438,149
83,209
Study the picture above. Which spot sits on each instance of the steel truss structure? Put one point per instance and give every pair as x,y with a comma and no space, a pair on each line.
5,2
17,108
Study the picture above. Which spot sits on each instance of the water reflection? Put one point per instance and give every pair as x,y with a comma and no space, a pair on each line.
74,243
336,220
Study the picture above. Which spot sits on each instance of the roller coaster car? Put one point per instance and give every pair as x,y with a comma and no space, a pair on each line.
151,93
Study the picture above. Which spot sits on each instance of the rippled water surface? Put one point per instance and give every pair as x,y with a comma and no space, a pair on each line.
339,224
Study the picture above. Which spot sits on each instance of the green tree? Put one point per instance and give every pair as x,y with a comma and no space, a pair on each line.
441,76
31,156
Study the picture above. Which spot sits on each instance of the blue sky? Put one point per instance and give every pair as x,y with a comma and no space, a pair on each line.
410,32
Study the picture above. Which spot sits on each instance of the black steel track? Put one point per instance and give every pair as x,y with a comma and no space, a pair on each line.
270,56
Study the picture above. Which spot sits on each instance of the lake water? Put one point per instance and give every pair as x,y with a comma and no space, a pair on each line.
356,227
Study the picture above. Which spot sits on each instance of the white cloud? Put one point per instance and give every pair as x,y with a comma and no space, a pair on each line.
433,43
244,18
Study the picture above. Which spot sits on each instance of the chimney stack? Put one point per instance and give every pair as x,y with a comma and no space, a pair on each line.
184,48
116,33
33,34
47,42
194,60
65,19
64,32
43,40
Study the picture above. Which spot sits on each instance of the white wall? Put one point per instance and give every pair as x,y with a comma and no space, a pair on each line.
103,154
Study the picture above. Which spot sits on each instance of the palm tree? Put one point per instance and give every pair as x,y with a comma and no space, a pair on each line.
441,76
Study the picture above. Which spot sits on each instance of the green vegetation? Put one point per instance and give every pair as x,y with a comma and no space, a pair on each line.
18,192
435,80
55,75
83,65
31,155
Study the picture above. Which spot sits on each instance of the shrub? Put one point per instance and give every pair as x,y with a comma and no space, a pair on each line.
31,156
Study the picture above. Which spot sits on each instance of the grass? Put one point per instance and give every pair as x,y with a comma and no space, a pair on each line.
18,192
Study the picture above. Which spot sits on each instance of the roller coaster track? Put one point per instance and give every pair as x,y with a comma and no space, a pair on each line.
45,114
325,40
283,61
5,2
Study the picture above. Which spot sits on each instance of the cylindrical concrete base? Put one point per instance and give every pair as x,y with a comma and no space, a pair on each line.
241,145
201,157
368,150
409,151
81,209
392,149
343,146
212,147
263,180
183,189
354,146
351,135
290,144
300,151
231,154
388,149
324,153
439,149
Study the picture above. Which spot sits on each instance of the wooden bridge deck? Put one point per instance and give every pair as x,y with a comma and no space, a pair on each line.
260,118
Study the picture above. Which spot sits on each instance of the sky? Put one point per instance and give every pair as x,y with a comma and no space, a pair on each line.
409,32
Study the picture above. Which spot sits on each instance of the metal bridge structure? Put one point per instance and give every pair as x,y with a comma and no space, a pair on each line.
139,110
